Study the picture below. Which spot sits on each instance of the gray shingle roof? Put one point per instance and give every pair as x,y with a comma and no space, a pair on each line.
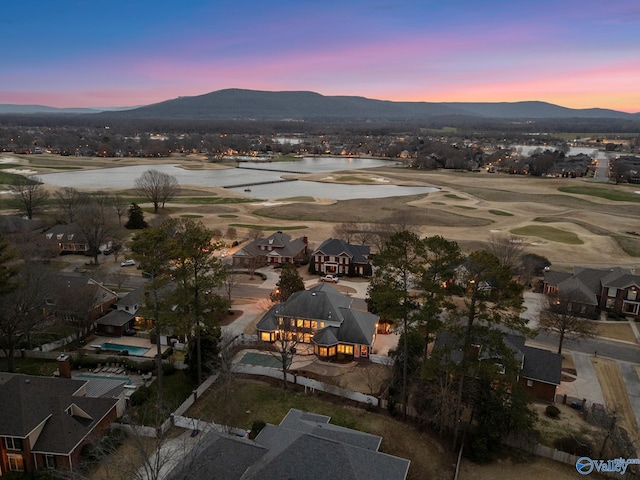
116,318
336,247
28,402
280,243
324,303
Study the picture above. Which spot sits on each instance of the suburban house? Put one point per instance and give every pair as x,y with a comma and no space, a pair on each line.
341,258
304,445
46,421
323,317
79,300
272,250
587,291
70,239
121,321
539,371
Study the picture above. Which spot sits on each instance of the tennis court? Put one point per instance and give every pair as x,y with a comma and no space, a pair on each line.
261,359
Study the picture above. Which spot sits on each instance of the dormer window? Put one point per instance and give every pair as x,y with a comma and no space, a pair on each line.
49,236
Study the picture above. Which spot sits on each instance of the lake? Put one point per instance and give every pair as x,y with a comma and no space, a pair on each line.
252,173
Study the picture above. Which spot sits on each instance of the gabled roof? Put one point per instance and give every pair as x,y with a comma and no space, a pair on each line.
65,233
537,364
116,318
133,298
29,401
324,303
585,284
336,247
304,446
280,243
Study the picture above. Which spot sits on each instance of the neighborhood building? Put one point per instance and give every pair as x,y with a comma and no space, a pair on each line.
304,445
70,239
78,300
46,421
322,317
588,291
539,371
273,250
338,257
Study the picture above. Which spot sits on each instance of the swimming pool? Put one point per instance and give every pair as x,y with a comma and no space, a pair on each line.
116,347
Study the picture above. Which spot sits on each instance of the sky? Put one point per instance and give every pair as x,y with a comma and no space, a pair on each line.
106,53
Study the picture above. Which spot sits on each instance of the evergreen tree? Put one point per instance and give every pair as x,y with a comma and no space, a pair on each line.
136,218
289,283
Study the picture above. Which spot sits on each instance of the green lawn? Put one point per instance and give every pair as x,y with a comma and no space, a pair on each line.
606,193
454,196
501,213
548,233
274,228
176,388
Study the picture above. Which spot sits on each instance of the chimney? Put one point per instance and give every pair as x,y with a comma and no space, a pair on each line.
64,366
305,239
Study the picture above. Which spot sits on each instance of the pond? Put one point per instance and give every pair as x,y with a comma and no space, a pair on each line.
253,179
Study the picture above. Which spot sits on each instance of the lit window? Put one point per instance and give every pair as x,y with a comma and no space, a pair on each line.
16,463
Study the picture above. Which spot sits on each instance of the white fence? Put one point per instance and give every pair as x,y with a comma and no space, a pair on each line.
309,384
381,359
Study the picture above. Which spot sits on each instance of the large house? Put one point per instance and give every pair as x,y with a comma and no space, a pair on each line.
78,300
304,445
539,371
587,291
273,250
323,317
70,239
46,421
339,257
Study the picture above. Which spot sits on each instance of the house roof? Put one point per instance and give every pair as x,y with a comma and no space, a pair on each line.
336,247
132,298
304,445
30,401
324,303
65,233
116,318
280,243
536,363
584,285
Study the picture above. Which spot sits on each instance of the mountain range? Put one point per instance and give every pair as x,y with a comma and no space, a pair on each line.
243,104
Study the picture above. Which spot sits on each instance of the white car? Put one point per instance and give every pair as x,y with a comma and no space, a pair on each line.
128,263
329,278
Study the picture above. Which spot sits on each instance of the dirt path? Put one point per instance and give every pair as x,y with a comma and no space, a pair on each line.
615,395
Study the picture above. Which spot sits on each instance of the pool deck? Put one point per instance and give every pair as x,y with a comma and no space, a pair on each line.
130,341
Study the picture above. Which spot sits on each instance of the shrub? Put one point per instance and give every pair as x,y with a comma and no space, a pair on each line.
552,411
140,396
573,445
256,428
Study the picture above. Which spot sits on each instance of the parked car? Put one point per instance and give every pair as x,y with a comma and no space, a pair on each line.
128,263
107,251
329,278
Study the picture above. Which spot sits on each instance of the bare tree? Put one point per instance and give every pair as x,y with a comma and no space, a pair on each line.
69,199
285,348
120,205
255,234
96,232
232,233
102,200
157,187
231,281
21,309
29,195
507,248
345,231
559,317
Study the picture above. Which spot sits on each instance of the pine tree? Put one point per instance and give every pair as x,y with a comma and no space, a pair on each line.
136,218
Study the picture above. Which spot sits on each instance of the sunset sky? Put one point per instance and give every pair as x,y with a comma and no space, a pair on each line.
99,53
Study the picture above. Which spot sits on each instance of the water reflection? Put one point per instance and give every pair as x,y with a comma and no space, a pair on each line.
250,173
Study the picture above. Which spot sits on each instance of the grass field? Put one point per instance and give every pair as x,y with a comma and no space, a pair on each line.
548,233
